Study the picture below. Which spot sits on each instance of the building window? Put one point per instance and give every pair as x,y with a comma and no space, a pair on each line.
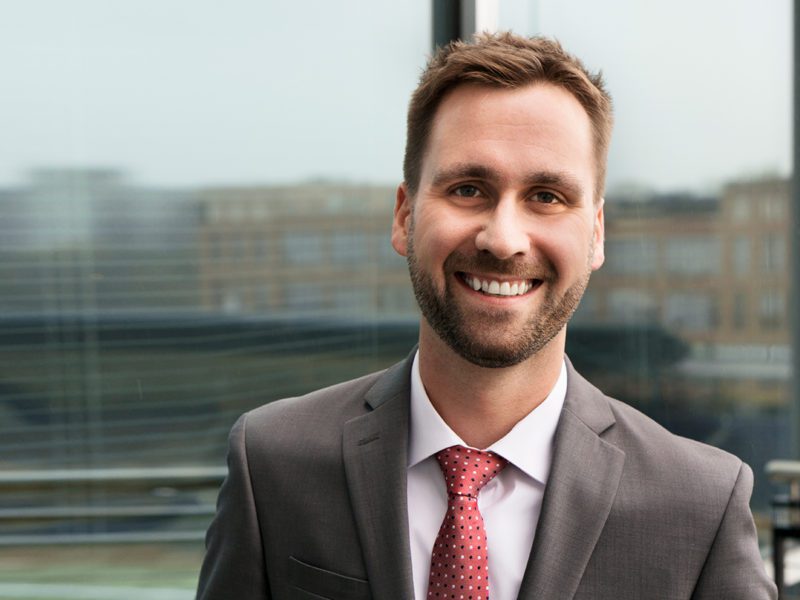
350,247
773,253
304,296
302,248
261,248
739,311
217,244
587,309
774,208
397,300
740,209
690,311
693,255
263,293
232,300
353,299
772,310
239,247
741,255
630,305
632,256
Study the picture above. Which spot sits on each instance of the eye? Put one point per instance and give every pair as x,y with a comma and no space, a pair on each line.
467,191
545,197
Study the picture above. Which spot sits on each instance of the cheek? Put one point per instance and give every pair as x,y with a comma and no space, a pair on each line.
437,234
433,245
569,246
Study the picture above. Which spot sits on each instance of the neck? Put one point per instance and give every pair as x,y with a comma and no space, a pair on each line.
479,404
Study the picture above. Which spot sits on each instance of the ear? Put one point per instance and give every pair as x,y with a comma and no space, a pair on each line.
401,221
599,255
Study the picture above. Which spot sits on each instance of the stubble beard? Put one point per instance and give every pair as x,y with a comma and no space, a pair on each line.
490,338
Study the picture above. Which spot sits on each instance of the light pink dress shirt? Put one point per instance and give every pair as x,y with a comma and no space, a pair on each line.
510,503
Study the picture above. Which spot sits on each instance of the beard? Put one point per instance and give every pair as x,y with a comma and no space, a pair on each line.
493,338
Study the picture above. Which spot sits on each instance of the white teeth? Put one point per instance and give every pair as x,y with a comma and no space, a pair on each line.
497,288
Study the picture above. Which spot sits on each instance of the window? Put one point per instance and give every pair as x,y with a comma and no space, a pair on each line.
177,188
774,207
693,255
741,255
774,253
354,299
398,300
632,257
303,248
630,305
739,311
304,296
690,311
351,247
741,208
772,310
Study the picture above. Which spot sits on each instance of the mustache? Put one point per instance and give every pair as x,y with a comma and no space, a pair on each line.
486,262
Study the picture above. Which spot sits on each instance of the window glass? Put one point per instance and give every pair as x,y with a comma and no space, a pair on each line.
303,247
632,256
772,309
774,253
740,311
195,205
697,209
692,311
692,255
632,305
351,247
741,255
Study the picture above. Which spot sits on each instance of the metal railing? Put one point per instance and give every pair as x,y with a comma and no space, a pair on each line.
118,505
785,514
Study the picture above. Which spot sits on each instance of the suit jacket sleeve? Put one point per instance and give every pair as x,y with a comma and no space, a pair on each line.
234,563
734,569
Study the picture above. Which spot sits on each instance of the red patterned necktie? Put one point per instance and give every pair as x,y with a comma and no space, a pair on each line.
459,564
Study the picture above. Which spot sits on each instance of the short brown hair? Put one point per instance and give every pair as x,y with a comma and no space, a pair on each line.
504,60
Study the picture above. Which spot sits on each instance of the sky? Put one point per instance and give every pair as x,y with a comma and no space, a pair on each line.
197,92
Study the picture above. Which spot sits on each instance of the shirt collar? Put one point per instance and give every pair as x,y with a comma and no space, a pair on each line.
528,446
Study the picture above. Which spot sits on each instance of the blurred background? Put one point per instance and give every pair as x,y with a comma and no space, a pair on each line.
195,203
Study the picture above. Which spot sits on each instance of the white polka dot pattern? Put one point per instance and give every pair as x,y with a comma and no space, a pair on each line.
459,564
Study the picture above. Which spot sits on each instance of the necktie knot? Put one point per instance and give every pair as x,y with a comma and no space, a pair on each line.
466,470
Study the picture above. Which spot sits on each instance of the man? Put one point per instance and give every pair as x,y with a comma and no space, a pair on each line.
363,490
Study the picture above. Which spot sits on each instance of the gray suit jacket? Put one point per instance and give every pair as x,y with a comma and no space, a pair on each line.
314,505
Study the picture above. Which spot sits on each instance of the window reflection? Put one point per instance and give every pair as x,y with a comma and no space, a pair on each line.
146,305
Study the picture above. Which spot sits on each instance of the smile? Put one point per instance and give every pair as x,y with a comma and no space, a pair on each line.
498,288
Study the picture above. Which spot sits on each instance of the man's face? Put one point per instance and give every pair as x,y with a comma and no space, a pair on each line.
504,231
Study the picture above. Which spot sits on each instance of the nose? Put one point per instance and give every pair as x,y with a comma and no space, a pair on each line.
503,231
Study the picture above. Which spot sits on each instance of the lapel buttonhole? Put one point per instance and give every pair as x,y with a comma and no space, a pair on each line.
369,439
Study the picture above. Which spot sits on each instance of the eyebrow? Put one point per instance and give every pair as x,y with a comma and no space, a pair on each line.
558,179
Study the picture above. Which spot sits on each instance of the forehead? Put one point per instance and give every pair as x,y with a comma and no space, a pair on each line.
536,126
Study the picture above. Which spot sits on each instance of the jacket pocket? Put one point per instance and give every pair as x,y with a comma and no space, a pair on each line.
324,584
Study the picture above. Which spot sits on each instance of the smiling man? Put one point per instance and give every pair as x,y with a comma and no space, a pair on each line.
484,466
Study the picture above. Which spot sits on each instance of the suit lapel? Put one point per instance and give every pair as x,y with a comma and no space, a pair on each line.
375,449
583,482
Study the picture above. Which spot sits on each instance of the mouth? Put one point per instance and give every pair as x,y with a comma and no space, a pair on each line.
495,287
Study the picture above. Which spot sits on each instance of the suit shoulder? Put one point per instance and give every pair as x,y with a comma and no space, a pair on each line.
339,402
656,450
644,441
